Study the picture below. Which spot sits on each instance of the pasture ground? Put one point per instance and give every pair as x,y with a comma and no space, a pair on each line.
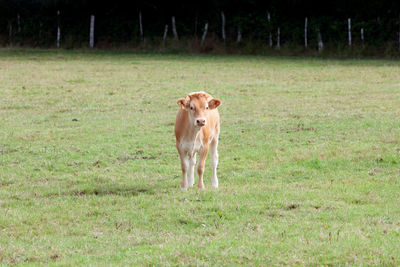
89,175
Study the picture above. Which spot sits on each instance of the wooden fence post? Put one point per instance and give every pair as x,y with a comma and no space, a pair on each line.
19,23
141,26
223,26
91,41
349,29
305,32
203,38
10,34
174,28
270,34
278,39
58,29
239,35
320,43
362,36
165,33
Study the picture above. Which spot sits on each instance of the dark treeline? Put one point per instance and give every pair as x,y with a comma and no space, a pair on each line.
34,22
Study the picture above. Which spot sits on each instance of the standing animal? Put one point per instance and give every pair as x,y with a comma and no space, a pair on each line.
197,131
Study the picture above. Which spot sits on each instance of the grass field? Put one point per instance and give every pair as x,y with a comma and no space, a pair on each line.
89,175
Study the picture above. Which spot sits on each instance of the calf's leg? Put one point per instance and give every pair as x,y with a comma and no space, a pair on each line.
192,162
214,161
200,166
184,165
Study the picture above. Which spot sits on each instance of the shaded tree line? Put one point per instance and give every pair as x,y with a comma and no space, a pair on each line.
273,23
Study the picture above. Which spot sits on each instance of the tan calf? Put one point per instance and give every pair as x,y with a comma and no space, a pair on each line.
197,131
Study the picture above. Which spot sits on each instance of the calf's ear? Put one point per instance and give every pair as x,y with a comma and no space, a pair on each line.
214,103
182,103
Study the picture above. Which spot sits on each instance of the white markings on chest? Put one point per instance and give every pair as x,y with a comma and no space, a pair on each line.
191,146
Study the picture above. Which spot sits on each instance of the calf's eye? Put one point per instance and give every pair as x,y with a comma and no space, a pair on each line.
191,108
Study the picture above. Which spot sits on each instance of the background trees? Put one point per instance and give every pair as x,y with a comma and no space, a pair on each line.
34,22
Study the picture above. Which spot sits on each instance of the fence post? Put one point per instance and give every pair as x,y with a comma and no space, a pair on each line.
223,26
174,28
19,23
58,29
165,33
349,29
320,43
141,26
362,36
203,38
270,33
278,40
10,34
91,41
239,35
305,32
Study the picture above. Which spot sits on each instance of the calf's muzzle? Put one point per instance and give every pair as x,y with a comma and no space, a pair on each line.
200,122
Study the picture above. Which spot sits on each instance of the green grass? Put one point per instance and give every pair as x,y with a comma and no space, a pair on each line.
309,161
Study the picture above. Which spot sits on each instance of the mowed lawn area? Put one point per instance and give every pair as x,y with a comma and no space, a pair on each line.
309,166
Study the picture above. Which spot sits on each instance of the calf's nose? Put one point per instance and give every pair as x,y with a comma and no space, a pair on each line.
201,122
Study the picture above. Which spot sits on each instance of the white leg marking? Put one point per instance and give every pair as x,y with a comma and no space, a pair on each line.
192,163
214,162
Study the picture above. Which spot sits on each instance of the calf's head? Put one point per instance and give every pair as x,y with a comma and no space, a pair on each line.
198,105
